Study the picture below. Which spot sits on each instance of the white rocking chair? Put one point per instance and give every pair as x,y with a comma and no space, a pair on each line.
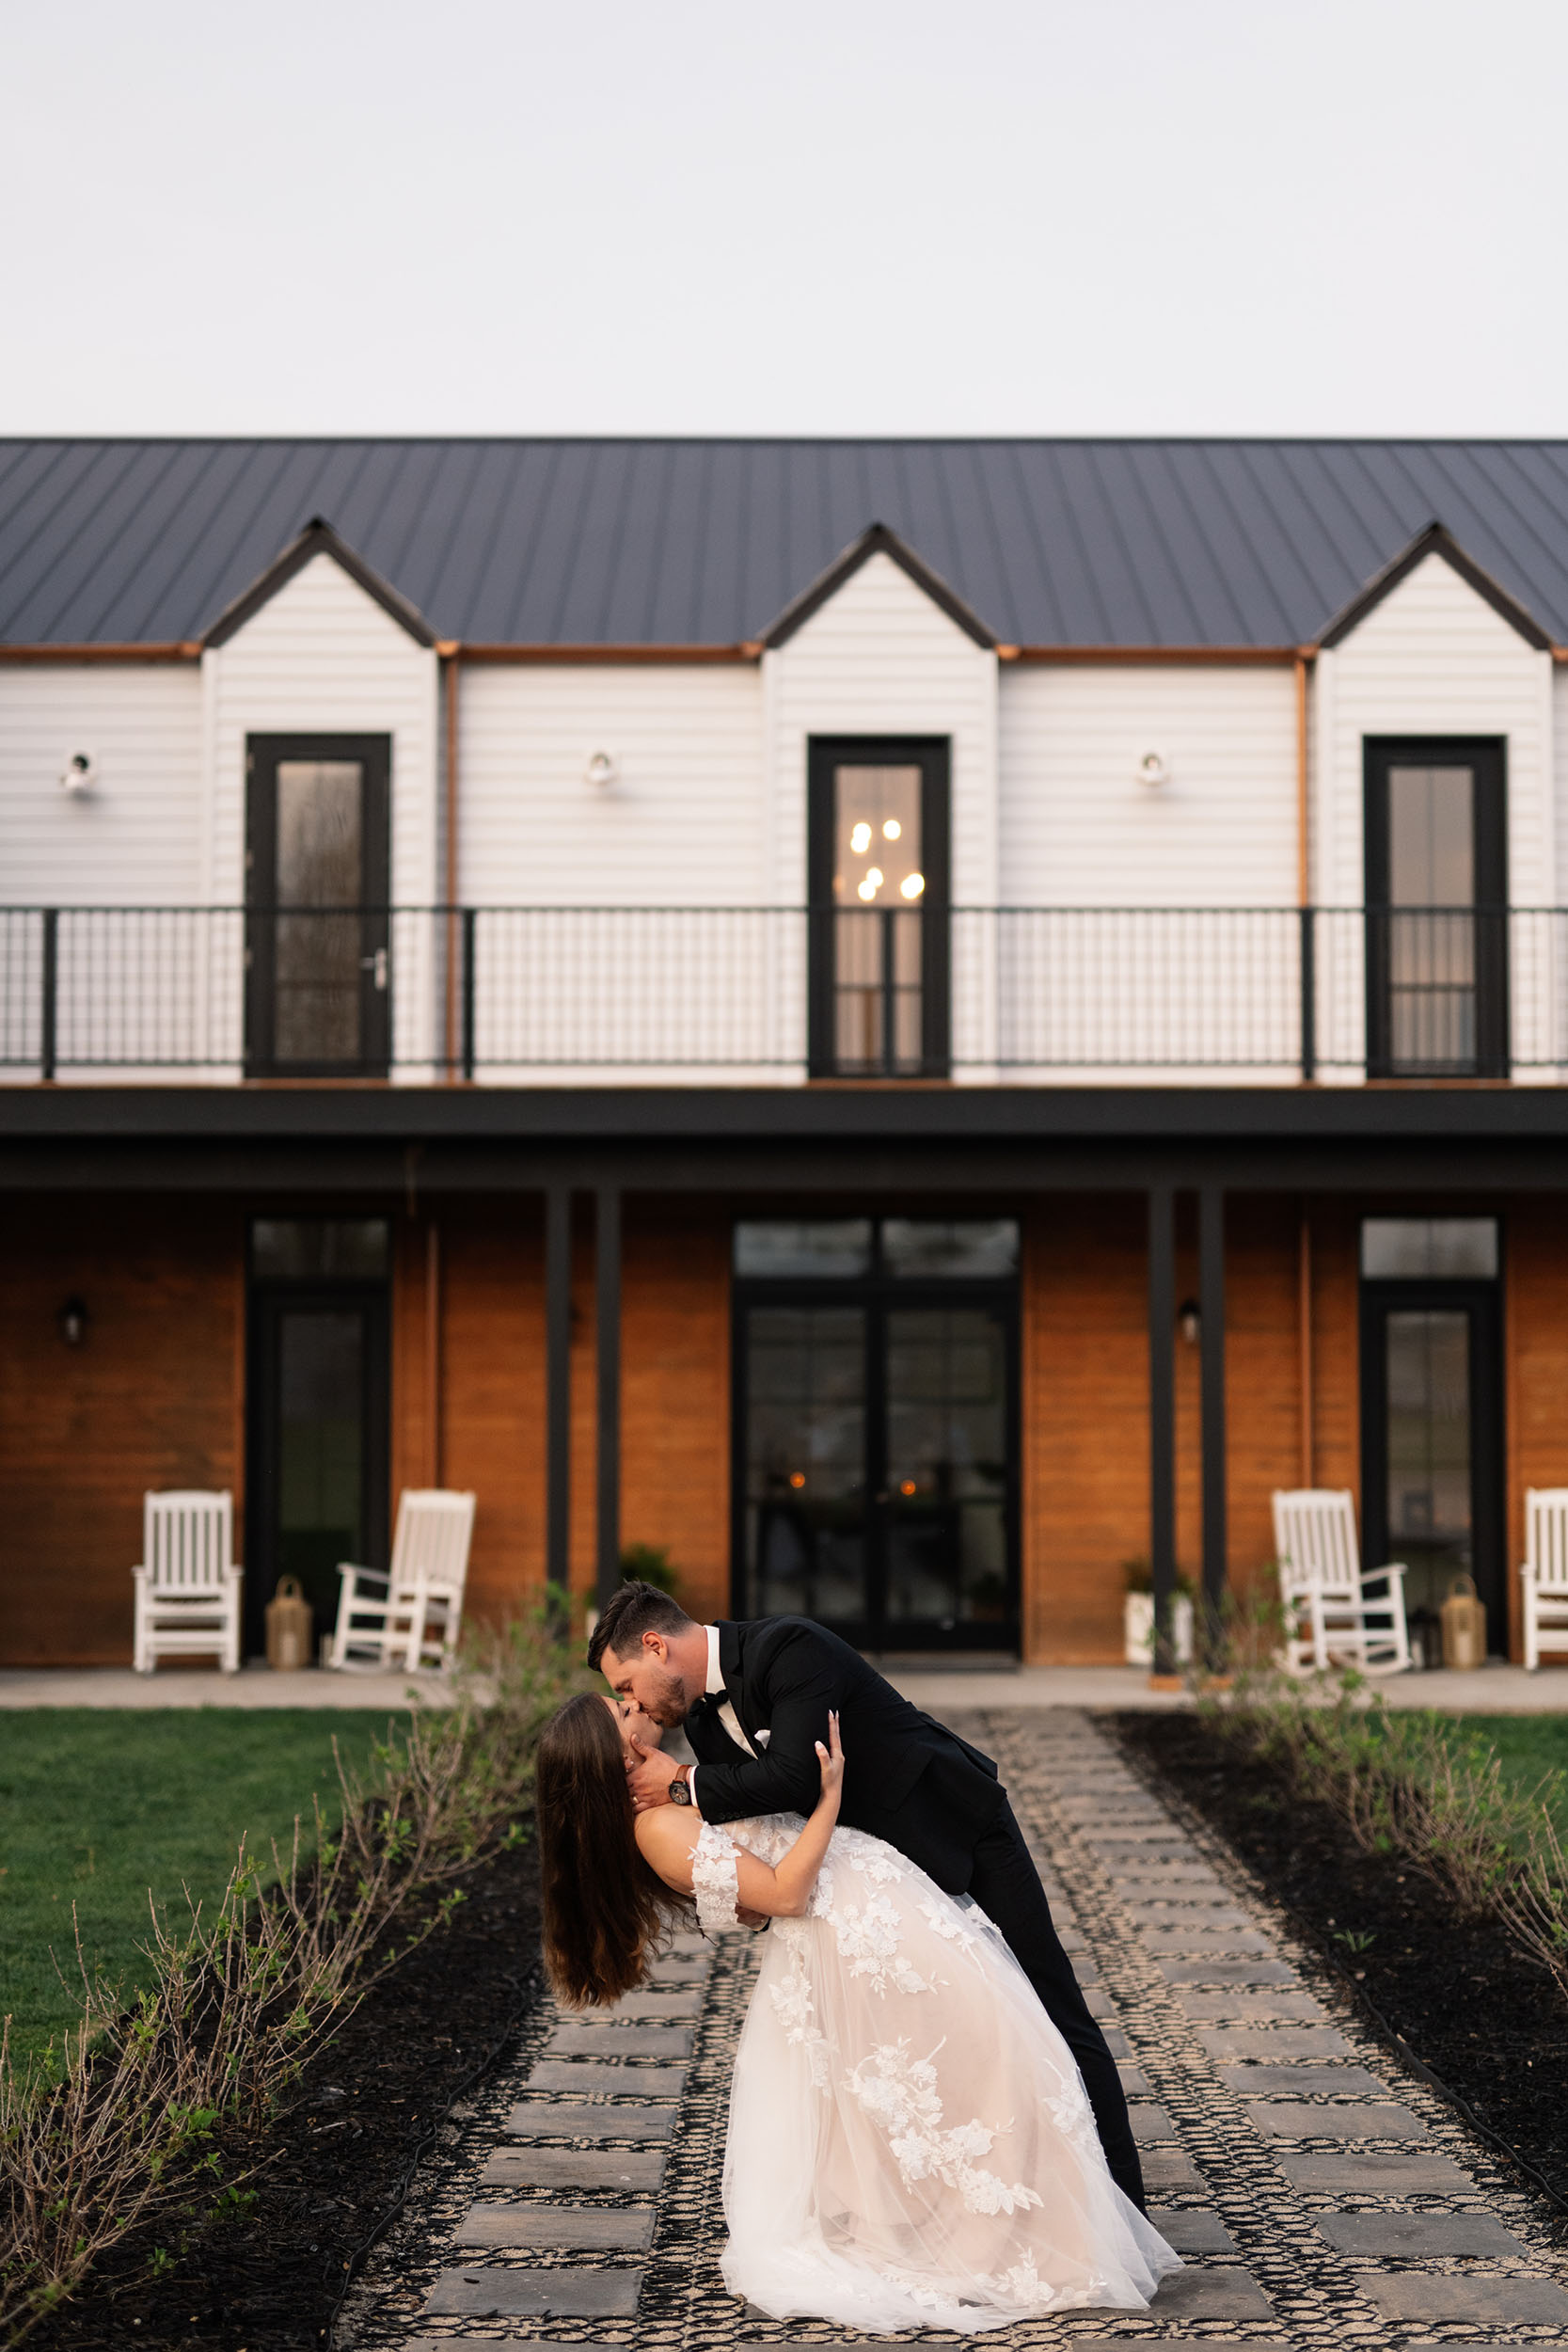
1544,1572
408,1615
188,1589
1335,1614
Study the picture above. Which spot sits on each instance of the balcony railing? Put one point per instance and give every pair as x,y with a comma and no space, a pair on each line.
532,994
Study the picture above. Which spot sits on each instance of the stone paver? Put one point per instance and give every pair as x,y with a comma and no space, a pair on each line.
1285,2118
1421,2235
1320,2197
560,2228
1481,2299
1270,2042
1254,2081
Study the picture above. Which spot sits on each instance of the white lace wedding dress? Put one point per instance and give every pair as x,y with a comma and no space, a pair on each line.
909,2142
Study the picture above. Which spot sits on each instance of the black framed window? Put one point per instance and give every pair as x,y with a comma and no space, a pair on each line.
319,1437
1437,865
1431,1419
318,942
875,1471
879,885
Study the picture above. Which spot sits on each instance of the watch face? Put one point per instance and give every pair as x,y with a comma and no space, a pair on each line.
679,1792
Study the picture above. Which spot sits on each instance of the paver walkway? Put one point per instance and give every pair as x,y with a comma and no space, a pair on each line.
1321,2196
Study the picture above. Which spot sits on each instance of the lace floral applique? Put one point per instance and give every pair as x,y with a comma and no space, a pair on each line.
715,1880
795,2008
948,1923
1072,2114
899,2094
868,1938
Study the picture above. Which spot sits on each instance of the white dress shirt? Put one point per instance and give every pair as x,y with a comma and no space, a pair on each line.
727,1715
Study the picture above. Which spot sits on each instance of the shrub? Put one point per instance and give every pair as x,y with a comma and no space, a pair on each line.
129,2116
1408,1783
649,1564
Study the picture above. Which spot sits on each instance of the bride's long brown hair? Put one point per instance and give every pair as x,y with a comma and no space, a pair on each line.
605,1907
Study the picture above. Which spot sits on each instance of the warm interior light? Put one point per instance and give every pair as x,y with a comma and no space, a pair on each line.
867,889
908,1486
859,840
797,1478
912,884
892,830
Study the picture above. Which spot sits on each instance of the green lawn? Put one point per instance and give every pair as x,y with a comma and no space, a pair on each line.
97,1806
1528,1746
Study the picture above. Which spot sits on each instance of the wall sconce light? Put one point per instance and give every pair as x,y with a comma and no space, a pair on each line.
1154,769
1189,1322
79,774
601,771
72,1319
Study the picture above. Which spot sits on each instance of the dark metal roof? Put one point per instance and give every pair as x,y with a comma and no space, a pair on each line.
688,543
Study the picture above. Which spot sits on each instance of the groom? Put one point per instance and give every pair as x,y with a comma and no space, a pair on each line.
754,1699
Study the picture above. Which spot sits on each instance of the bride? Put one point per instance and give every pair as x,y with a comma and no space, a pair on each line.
909,2142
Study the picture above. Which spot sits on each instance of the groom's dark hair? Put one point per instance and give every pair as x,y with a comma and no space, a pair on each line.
630,1611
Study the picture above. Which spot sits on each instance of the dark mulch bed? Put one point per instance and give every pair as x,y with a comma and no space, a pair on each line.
1485,2021
337,2165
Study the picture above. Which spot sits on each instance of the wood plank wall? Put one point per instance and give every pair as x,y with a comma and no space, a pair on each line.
155,1397
1085,1403
147,1400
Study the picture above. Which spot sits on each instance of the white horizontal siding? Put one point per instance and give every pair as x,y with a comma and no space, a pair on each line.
572,993
135,840
322,657
1077,826
1432,658
880,658
1560,777
681,825
1147,983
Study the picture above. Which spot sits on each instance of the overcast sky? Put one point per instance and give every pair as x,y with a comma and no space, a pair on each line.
859,216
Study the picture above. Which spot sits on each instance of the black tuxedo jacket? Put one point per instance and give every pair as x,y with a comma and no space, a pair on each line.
905,1778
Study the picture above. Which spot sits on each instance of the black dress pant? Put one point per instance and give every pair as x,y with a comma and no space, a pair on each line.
1007,1888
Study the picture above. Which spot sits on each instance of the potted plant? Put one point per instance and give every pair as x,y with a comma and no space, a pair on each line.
1138,1616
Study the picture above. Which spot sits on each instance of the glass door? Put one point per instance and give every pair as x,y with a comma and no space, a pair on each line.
1432,1450
1437,910
320,1422
946,1382
317,940
879,861
875,1430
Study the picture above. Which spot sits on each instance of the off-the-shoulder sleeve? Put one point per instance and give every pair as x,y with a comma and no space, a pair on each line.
714,1879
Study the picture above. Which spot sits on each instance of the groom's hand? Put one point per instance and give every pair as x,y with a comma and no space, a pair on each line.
649,1778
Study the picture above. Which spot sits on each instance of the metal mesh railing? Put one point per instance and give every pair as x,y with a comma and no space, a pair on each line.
509,993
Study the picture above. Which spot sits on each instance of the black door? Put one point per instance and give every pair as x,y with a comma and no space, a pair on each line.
1432,1439
318,944
879,864
318,1456
1436,909
877,1451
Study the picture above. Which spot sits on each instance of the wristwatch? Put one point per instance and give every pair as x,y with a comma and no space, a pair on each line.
680,1791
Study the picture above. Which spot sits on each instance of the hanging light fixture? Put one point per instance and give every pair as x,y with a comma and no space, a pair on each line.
72,1320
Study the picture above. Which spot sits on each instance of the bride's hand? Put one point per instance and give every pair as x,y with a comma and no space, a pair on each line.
831,1759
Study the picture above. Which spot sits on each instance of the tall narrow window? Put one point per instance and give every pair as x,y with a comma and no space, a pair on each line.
878,892
317,935
1436,910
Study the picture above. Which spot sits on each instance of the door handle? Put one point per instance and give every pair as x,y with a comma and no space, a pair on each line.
376,964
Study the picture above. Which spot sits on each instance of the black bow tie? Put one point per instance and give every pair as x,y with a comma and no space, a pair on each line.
714,1700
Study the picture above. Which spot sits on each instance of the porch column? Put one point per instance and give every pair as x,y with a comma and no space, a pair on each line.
557,1385
607,1290
1161,1416
1211,1288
